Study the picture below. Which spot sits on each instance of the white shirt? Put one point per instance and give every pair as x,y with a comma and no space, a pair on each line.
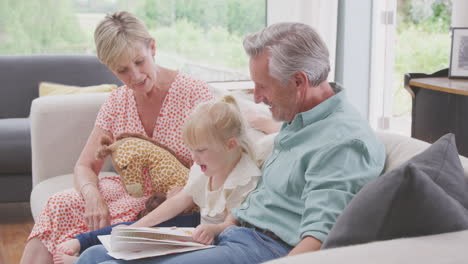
215,205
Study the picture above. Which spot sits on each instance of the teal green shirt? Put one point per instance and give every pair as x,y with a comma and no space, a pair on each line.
319,162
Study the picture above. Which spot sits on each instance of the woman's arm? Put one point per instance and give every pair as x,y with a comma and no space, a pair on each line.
85,178
262,123
167,210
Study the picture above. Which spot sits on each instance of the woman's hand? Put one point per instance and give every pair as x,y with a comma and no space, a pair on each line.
86,172
96,214
261,122
205,234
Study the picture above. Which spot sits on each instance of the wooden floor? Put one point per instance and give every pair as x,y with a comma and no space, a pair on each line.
15,225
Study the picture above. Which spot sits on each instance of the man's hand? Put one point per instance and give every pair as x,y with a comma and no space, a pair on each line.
96,214
307,244
204,234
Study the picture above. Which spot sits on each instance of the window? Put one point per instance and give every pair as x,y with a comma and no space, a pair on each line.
200,37
411,36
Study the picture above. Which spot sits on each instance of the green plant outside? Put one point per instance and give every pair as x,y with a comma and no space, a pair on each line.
28,27
422,45
417,51
183,29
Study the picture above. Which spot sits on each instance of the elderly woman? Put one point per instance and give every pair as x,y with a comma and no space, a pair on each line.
154,102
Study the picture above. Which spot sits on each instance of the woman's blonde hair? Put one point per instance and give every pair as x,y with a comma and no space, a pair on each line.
116,36
216,122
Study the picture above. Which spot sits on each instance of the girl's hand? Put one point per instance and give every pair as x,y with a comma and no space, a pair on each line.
204,234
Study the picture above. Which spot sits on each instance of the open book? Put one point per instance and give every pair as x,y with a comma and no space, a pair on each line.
129,243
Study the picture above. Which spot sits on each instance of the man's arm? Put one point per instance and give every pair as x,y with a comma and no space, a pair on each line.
307,244
334,177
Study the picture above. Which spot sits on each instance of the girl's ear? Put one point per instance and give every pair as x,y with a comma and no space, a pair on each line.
232,143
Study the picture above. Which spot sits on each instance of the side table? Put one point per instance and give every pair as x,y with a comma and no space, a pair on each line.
440,106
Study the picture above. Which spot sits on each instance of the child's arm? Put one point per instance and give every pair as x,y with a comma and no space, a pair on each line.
206,233
167,210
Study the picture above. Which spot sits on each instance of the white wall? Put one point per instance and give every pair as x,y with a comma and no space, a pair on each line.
382,63
346,27
459,13
353,54
320,14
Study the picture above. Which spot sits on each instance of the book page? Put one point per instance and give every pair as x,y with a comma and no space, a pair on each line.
129,243
143,250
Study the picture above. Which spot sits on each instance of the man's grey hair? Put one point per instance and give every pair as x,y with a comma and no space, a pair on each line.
293,47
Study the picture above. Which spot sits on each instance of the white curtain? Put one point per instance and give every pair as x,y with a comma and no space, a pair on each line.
320,14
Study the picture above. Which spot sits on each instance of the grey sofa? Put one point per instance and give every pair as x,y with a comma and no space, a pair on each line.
20,76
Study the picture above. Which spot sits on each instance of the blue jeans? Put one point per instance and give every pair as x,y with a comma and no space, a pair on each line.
91,238
235,245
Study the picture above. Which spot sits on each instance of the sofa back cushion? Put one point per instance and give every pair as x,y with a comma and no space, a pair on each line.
21,75
48,89
400,149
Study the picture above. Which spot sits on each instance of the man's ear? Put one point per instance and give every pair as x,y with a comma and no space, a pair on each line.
300,82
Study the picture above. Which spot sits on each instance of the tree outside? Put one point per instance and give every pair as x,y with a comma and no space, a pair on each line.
423,44
204,31
28,27
201,36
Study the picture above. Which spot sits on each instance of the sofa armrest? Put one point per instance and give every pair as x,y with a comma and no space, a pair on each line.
60,126
434,249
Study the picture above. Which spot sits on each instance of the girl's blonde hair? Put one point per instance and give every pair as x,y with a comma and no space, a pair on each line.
217,121
116,36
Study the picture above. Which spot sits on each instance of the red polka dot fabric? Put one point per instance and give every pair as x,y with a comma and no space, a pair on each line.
62,217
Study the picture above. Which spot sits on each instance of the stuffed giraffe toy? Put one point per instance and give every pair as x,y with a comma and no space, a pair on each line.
132,153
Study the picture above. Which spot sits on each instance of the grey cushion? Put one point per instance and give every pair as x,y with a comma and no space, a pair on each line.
426,195
15,187
15,145
21,75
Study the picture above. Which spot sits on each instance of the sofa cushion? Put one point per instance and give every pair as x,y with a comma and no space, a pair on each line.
400,148
21,74
435,249
15,187
15,142
47,88
45,189
426,195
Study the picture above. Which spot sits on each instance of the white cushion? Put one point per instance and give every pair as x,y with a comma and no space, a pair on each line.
399,149
435,249
60,127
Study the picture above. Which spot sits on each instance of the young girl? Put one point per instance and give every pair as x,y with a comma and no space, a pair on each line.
223,174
